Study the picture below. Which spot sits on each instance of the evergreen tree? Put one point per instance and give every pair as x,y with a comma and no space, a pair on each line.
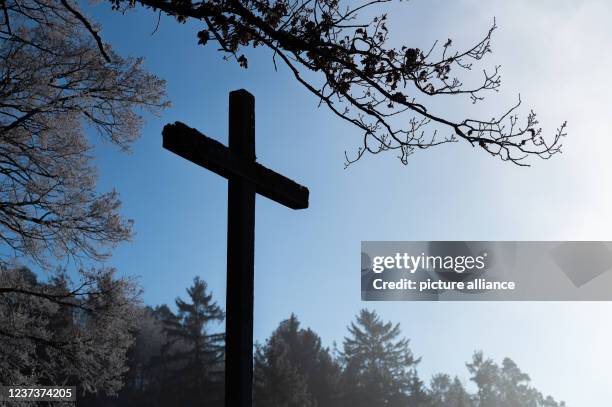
58,331
192,357
379,367
294,369
505,386
145,378
418,395
447,392
485,373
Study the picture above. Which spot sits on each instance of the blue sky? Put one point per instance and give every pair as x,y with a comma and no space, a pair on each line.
307,262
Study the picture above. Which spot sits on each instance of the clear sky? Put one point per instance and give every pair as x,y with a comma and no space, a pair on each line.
556,53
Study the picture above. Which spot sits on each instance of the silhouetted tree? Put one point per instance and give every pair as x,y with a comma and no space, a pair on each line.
418,394
505,386
379,367
193,355
345,60
447,392
294,369
146,383
149,339
144,380
177,359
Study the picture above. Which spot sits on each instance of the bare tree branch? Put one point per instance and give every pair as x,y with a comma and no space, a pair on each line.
373,86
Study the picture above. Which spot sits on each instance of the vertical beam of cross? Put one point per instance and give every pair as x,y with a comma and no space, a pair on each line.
246,178
240,256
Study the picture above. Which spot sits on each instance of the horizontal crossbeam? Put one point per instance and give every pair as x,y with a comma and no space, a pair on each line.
194,146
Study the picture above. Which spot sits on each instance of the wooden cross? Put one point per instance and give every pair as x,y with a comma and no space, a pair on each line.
246,179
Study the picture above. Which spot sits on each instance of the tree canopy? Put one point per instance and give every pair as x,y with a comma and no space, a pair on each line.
52,333
379,366
294,369
54,86
57,87
374,367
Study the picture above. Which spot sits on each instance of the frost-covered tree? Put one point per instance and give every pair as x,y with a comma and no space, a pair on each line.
57,80
60,332
59,83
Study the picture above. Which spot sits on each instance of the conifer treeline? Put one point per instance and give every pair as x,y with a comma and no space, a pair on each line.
177,360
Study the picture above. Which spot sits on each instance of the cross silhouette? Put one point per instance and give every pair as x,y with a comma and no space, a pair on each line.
246,179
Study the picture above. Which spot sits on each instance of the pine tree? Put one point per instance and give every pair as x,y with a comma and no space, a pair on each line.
294,369
418,395
193,356
505,386
378,363
447,392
